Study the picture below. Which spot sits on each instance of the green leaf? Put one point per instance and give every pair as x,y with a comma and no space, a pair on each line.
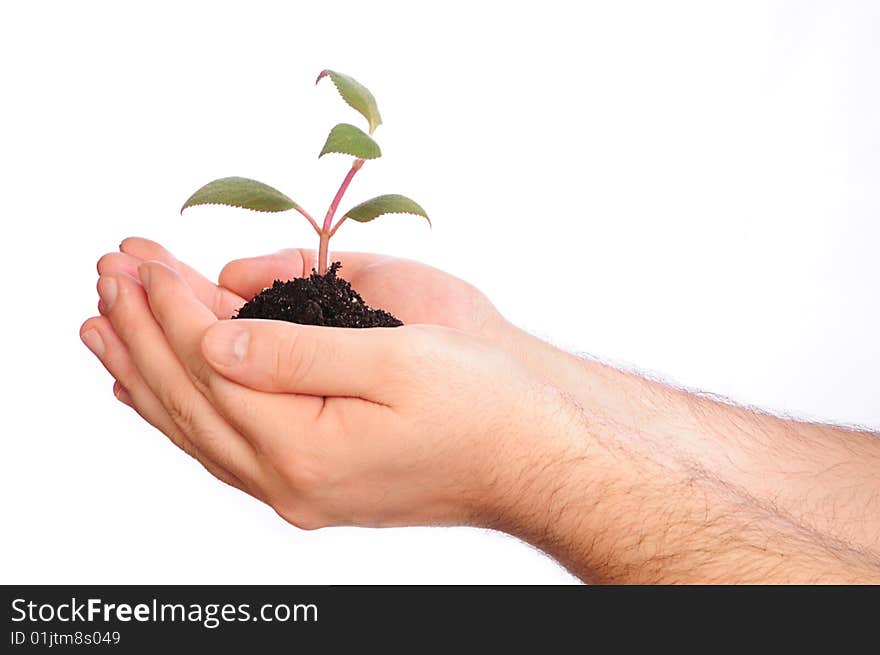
356,95
350,140
388,204
241,192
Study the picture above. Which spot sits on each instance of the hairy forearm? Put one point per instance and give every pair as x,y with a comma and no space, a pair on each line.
658,485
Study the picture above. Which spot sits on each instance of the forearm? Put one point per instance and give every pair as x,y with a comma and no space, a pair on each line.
669,486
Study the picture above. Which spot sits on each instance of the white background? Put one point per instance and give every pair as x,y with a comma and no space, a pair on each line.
689,188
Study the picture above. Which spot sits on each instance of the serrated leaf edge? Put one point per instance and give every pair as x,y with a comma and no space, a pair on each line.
342,152
328,73
430,225
223,204
187,205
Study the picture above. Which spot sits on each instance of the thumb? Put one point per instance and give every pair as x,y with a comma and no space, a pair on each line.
247,277
276,356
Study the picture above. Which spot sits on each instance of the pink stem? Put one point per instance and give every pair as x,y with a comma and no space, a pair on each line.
338,223
309,217
326,232
328,219
323,250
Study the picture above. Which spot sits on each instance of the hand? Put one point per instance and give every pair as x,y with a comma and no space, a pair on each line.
414,425
422,424
412,291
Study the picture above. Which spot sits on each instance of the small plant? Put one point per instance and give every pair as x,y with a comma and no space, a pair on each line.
343,139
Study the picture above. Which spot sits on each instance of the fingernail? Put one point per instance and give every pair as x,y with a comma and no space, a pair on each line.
107,290
93,342
226,344
121,394
144,274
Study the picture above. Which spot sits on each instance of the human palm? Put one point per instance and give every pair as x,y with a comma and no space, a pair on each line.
417,293
414,292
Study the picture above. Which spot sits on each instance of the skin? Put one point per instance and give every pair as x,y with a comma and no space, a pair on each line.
460,418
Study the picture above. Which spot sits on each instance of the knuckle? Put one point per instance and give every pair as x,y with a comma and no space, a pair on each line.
217,301
181,411
130,303
301,519
298,514
201,373
306,476
301,492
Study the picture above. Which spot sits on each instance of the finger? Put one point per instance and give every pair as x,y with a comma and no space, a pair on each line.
247,277
181,316
284,357
352,262
118,262
130,389
152,412
184,321
168,380
223,303
123,396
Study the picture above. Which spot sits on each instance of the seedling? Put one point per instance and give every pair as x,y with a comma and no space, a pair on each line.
343,139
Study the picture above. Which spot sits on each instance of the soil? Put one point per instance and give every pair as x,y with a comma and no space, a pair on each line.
317,300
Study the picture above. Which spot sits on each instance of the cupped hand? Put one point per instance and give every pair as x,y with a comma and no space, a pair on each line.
414,292
414,425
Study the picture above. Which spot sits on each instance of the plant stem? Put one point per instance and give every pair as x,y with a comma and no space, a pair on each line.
336,227
323,250
326,232
309,217
328,219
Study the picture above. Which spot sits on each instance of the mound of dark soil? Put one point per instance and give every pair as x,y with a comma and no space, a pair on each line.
317,300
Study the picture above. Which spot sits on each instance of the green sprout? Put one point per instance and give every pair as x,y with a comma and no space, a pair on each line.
343,139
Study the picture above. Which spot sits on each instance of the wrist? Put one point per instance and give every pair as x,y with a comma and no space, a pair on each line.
539,458
576,459
582,380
